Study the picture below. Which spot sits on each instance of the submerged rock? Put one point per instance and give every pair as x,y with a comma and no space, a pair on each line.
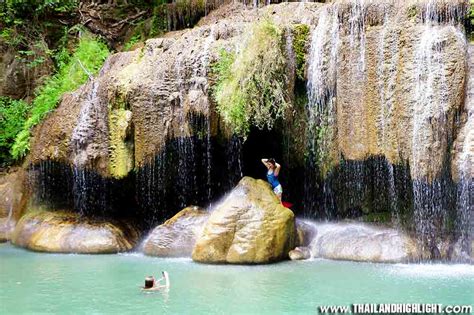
300,253
249,227
362,242
66,232
13,199
177,236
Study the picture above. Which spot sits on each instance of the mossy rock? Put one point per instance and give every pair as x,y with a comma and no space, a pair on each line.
177,236
67,232
249,227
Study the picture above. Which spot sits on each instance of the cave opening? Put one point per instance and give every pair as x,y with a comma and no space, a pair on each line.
258,145
271,144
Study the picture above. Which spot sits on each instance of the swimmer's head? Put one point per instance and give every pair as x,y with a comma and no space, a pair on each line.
272,163
149,282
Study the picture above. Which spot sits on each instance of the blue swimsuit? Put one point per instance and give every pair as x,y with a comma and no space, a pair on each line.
272,179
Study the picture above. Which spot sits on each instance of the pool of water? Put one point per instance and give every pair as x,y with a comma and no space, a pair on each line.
109,284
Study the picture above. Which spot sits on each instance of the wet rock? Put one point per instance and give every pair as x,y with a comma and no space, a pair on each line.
305,232
19,77
13,199
160,86
362,242
300,253
177,236
250,226
66,232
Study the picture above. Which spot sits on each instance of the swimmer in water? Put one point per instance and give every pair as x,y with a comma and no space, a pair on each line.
151,284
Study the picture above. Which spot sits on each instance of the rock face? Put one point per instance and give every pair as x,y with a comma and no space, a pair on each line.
160,90
65,232
249,227
402,47
13,199
306,232
300,253
362,242
386,81
20,78
177,236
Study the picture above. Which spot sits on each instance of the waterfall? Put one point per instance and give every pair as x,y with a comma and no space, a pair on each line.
431,99
361,78
89,188
465,193
321,101
189,166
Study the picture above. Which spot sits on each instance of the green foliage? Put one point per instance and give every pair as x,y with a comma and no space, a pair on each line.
13,114
251,86
300,41
18,12
90,53
159,21
132,42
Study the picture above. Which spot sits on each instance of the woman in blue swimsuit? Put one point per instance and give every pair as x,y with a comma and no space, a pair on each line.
272,176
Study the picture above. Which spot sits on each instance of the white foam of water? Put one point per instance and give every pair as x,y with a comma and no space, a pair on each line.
433,270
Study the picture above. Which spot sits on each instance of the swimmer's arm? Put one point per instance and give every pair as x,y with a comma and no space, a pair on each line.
265,162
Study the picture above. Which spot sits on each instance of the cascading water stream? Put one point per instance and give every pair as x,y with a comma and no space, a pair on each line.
389,45
86,188
465,193
321,98
431,103
342,34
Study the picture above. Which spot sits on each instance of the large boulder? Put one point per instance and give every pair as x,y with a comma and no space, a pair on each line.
66,232
13,199
363,242
177,236
249,227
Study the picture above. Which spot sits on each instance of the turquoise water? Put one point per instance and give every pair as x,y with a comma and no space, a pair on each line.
109,284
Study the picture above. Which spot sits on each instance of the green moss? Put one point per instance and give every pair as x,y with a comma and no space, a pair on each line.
412,11
120,145
90,55
300,47
251,87
379,217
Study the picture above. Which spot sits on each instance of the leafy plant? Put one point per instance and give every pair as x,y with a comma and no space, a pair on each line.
251,88
132,42
300,41
89,56
13,114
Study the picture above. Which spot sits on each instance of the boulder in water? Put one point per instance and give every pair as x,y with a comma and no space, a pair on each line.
362,242
305,231
249,227
300,253
66,232
13,199
177,236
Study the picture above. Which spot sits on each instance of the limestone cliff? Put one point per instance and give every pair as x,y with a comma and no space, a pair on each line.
381,115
